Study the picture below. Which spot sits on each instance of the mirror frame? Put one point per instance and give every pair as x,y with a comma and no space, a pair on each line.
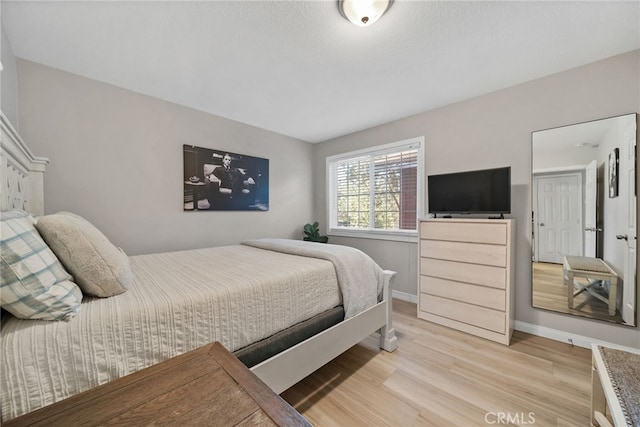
602,168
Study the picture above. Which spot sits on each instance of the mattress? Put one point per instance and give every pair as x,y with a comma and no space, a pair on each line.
264,349
178,301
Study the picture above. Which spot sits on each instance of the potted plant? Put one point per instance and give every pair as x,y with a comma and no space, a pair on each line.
312,233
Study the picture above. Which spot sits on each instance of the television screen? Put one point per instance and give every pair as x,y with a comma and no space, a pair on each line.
480,191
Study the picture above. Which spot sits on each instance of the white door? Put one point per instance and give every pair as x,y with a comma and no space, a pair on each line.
628,173
558,217
590,196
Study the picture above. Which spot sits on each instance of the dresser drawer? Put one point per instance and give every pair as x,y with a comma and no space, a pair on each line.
485,275
486,232
466,313
464,292
476,253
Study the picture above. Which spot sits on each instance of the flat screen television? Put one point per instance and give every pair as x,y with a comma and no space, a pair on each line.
486,191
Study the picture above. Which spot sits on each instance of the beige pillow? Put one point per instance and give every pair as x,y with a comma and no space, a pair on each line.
97,266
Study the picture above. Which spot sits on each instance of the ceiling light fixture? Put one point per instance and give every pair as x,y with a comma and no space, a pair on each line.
587,145
363,12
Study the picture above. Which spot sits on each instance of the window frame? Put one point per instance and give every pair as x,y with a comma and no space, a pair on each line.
416,143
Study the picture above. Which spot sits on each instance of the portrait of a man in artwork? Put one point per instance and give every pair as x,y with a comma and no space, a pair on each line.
223,180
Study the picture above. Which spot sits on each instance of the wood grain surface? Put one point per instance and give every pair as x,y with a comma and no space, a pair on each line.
443,377
207,386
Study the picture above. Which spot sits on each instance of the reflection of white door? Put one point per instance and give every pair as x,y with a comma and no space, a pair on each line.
559,216
590,195
628,174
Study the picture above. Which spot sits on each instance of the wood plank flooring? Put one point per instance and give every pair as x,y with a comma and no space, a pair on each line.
549,292
442,377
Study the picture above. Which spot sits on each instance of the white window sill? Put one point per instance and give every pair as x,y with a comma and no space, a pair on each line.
409,236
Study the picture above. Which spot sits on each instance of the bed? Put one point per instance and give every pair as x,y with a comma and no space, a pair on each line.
284,307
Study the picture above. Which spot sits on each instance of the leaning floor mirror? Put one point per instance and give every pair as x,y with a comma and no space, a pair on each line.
584,216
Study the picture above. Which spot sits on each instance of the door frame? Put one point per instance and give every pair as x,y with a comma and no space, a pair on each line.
628,172
550,172
590,211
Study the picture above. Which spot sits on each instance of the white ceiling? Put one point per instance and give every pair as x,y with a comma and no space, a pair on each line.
300,69
578,136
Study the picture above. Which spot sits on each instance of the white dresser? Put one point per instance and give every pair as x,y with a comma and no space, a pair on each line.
466,274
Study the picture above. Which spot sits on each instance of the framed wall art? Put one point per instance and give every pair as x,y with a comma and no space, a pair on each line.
221,180
614,161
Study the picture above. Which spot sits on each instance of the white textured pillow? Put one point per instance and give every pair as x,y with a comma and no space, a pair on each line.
97,266
34,284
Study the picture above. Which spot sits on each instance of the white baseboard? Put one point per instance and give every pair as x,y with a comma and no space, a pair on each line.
541,331
403,296
566,337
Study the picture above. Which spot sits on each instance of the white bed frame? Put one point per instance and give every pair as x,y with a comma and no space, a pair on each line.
22,180
287,368
21,173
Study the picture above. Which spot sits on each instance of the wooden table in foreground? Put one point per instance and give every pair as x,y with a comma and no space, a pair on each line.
207,386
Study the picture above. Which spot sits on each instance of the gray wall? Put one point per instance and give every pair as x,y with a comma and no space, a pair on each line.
8,80
116,159
614,210
495,130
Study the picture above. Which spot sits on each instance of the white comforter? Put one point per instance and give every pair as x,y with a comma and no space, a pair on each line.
178,301
356,271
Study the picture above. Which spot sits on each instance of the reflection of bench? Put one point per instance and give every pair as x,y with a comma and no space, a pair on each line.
615,390
590,268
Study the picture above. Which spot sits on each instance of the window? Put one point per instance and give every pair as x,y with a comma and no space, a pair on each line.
376,192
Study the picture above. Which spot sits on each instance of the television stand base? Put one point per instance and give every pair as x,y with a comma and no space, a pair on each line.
497,217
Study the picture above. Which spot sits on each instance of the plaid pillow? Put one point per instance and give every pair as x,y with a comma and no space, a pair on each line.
34,285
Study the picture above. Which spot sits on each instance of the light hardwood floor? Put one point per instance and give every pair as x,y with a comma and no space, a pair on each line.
550,292
442,377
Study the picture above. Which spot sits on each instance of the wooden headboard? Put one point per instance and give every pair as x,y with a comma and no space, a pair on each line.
21,173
